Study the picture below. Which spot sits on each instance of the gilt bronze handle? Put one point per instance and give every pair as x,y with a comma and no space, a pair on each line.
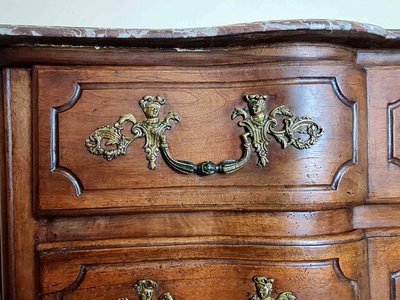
110,142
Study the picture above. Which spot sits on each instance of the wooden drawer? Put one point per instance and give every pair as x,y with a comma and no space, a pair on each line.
71,180
206,268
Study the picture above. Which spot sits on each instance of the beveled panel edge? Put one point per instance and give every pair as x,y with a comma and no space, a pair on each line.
334,263
79,87
300,29
391,132
394,276
54,133
344,279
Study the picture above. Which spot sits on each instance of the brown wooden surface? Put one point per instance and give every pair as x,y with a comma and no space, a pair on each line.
21,225
224,270
23,55
373,216
384,263
198,224
383,89
205,98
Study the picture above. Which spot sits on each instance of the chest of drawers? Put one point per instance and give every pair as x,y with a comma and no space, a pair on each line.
255,161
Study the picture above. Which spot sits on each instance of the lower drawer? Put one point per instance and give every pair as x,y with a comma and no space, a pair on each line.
206,268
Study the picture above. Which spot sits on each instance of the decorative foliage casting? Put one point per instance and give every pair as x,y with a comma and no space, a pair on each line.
264,287
146,289
300,132
116,143
259,125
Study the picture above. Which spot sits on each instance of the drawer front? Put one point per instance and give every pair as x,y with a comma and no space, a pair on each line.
328,172
207,269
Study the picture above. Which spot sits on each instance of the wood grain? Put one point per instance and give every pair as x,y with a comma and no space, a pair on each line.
205,97
375,216
21,224
197,224
21,55
383,89
236,263
384,264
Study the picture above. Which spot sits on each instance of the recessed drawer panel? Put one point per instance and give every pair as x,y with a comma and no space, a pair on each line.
208,269
101,141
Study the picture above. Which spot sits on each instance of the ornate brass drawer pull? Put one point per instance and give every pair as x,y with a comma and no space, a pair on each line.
264,288
110,142
146,289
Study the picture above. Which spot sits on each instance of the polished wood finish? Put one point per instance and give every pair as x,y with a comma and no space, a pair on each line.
222,270
205,97
198,224
384,263
385,164
323,222
21,224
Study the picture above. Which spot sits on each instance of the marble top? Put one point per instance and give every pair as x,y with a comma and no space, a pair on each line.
17,33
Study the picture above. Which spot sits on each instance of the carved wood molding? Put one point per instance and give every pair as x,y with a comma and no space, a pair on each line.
391,133
394,276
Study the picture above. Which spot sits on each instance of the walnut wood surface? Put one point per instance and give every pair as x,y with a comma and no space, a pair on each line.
384,264
224,267
258,224
205,97
21,225
301,220
383,90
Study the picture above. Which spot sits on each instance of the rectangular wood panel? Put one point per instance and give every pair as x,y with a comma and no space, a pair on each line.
205,98
384,129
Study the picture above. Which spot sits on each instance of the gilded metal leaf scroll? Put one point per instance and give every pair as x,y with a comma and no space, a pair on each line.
110,142
146,289
151,129
259,126
264,287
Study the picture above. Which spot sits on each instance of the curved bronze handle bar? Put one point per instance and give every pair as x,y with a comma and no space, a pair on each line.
110,141
207,167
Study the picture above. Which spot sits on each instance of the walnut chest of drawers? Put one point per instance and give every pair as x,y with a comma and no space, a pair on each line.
257,161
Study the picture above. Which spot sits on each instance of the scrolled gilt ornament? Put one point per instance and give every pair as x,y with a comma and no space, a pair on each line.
146,288
264,287
260,126
110,142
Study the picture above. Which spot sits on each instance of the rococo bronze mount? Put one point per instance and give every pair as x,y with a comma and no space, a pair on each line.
147,288
299,132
